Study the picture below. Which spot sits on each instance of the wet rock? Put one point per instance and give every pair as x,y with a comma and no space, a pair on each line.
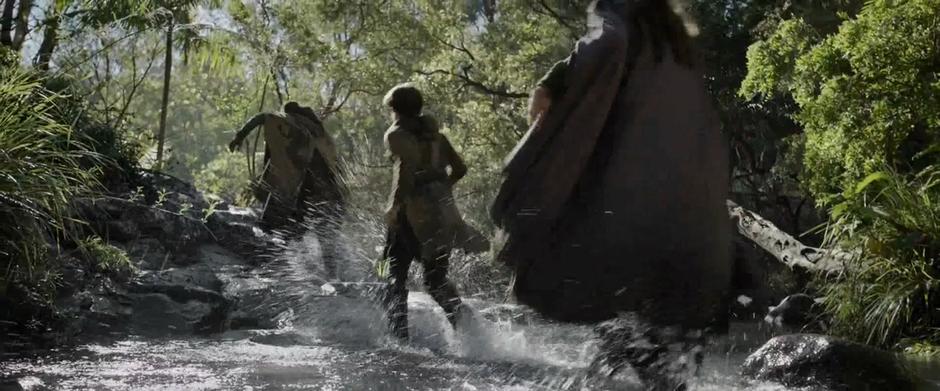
190,298
241,320
184,282
194,278
103,315
94,306
798,312
165,223
827,363
172,189
158,315
284,339
148,254
121,231
74,277
199,298
232,216
10,385
237,228
99,209
257,308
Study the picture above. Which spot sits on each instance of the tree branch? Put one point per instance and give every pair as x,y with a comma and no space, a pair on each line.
135,84
564,22
480,87
462,48
785,247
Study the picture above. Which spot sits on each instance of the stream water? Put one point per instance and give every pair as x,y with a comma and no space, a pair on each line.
332,337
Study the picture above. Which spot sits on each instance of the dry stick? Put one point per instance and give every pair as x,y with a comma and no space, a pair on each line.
785,247
135,84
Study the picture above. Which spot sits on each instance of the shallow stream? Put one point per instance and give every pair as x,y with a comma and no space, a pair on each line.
332,337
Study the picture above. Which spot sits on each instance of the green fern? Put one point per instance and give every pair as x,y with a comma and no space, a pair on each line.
41,172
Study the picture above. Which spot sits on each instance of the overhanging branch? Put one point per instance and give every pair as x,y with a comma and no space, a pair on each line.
480,87
785,247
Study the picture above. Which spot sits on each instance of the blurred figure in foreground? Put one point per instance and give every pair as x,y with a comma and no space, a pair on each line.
613,203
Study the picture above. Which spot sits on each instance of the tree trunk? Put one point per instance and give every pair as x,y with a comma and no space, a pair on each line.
167,72
6,23
785,247
50,39
22,24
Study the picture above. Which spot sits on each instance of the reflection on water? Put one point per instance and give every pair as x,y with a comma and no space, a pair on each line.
332,337
344,348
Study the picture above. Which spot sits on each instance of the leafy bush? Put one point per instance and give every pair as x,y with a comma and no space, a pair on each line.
105,257
867,95
8,58
226,176
892,291
116,156
41,171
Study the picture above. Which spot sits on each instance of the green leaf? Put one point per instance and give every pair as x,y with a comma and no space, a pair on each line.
871,178
839,210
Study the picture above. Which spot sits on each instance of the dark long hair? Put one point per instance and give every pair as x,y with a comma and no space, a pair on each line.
655,18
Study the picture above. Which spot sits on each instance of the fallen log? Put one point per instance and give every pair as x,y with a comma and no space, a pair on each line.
785,247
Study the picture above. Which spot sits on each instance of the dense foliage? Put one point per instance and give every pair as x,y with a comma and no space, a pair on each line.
44,166
891,293
867,96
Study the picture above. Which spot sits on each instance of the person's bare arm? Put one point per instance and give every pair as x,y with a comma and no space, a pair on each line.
549,88
249,126
457,167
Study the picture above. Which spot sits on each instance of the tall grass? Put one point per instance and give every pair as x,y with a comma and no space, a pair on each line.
892,292
41,171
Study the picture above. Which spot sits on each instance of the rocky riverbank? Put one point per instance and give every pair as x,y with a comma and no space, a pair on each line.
184,252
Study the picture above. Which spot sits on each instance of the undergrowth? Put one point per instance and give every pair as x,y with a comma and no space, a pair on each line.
41,172
105,257
52,151
890,294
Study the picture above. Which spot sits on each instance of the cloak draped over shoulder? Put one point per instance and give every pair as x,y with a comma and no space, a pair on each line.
614,200
306,156
423,189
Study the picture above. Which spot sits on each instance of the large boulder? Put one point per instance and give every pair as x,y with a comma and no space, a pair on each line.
237,228
827,363
198,298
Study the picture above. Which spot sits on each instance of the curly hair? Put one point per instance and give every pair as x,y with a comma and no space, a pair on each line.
405,100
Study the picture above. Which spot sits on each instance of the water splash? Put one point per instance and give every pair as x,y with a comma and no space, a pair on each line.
331,335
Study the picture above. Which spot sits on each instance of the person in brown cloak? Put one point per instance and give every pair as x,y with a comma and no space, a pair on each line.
614,200
300,185
422,219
